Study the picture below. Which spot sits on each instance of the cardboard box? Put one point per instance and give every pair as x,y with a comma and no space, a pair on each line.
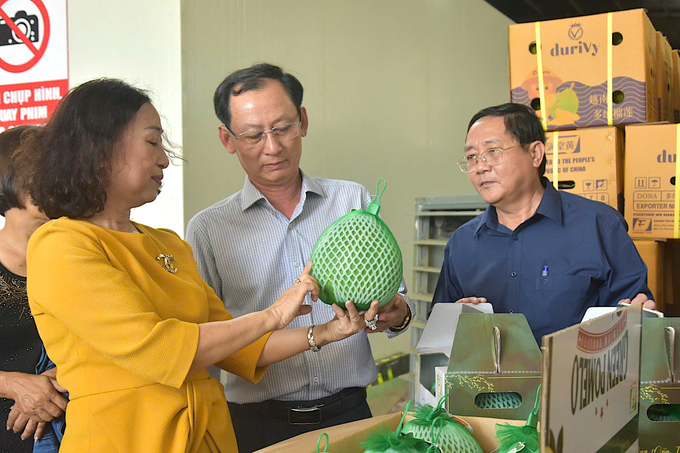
574,65
652,253
347,438
676,86
499,375
660,385
649,180
671,284
591,376
590,163
664,71
434,347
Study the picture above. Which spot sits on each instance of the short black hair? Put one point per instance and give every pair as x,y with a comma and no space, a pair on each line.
67,172
10,142
520,121
252,78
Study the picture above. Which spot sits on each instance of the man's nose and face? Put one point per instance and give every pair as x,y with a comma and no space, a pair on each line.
275,161
509,179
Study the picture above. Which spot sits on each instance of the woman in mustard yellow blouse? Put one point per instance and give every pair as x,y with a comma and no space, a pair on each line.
121,307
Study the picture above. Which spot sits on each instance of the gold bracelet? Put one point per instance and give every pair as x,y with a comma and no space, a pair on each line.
310,339
406,321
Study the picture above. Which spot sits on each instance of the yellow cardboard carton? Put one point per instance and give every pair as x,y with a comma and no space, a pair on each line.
671,284
664,71
652,253
589,163
650,172
577,64
676,86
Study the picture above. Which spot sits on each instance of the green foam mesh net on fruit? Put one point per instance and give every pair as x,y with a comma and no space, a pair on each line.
357,258
435,426
498,400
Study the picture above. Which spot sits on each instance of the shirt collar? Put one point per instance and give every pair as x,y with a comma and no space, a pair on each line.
251,195
550,207
551,204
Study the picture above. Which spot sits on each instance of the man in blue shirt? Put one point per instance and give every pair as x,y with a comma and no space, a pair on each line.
547,254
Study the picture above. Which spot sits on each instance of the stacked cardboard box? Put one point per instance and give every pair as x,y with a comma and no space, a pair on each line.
590,163
676,86
664,71
579,59
576,65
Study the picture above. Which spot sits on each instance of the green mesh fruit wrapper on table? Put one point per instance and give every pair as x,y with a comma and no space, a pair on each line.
383,441
435,426
357,258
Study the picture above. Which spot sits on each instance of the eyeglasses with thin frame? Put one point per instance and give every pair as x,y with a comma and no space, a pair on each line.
491,157
257,138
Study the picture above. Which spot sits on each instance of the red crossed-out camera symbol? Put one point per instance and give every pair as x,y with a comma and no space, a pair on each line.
19,33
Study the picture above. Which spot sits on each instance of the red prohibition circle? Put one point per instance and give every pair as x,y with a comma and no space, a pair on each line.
41,51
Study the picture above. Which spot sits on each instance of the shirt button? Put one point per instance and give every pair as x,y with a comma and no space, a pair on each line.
513,274
515,237
316,380
297,264
290,227
510,311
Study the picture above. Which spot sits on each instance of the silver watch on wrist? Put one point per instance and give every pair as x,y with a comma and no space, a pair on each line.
310,339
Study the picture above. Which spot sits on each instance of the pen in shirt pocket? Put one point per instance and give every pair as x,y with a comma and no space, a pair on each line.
545,271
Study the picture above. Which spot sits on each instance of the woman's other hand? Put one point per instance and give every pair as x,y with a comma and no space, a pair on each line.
21,422
289,305
36,396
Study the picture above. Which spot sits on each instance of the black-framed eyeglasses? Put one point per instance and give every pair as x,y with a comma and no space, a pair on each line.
257,138
491,157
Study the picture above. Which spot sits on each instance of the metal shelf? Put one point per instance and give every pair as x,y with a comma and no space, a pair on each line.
421,296
439,242
430,269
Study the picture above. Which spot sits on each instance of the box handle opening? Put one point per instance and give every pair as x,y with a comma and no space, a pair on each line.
664,412
669,333
498,400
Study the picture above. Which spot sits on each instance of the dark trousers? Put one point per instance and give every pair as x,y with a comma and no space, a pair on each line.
259,425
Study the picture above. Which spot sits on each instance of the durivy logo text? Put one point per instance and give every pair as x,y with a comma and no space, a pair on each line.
575,33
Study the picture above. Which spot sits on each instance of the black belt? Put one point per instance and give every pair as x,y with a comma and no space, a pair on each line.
310,412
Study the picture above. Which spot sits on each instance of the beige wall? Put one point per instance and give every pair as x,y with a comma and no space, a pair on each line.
389,87
138,42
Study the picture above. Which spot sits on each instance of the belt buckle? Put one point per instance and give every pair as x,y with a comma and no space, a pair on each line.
304,415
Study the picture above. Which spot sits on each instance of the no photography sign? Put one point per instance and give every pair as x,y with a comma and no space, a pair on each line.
33,60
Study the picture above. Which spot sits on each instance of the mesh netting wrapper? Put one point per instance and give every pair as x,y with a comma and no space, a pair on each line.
436,426
357,258
384,441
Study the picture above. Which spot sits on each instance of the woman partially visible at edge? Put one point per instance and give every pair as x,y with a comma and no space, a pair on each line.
27,400
132,345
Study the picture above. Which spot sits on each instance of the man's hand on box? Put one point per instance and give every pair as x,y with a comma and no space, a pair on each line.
641,299
472,300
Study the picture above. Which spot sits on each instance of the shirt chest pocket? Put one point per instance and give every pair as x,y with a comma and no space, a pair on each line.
561,293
